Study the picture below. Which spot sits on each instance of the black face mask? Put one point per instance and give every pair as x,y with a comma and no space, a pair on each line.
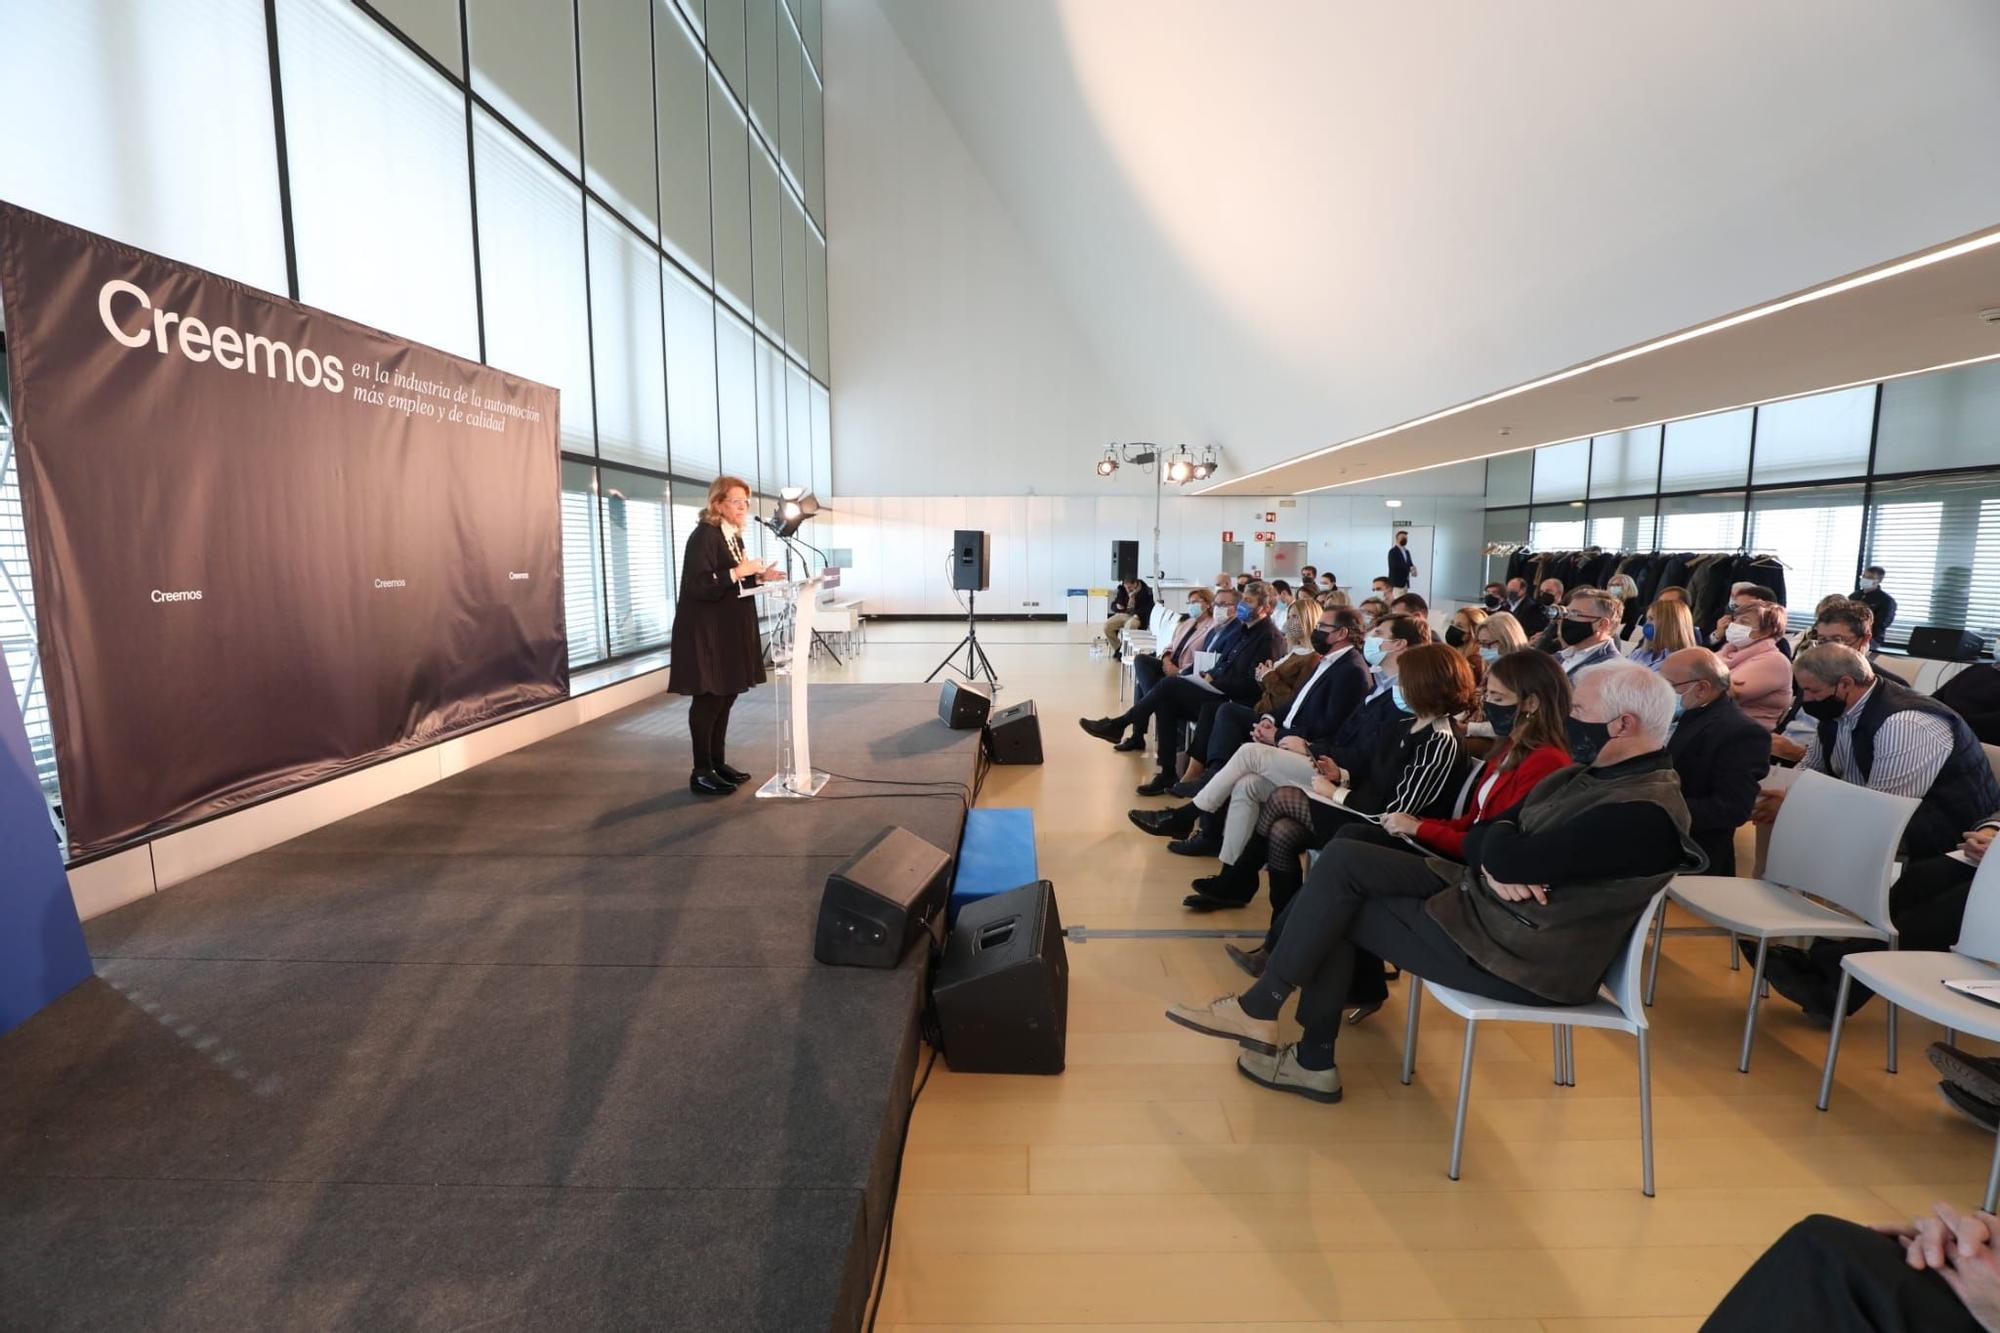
1547,599
1501,716
1322,641
1826,710
1586,738
1492,601
1574,632
1454,636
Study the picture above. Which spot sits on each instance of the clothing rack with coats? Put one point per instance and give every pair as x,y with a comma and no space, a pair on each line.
1707,575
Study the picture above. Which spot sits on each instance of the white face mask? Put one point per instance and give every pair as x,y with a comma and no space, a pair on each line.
1870,585
1737,633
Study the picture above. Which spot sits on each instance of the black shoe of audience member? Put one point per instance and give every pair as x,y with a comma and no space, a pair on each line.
1130,745
1201,902
1196,844
1973,1107
1189,788
1104,728
1791,973
1250,960
1176,822
735,775
1234,885
1977,1074
1159,785
708,782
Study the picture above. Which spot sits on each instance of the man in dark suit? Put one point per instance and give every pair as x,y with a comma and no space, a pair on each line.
1720,754
1869,593
1131,605
1334,690
1401,563
1974,694
1525,607
1173,703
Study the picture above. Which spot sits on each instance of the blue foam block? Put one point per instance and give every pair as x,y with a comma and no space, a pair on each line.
995,853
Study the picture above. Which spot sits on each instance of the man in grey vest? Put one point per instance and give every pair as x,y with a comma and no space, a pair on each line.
1548,895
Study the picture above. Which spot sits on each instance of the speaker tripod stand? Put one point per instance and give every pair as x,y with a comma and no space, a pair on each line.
976,664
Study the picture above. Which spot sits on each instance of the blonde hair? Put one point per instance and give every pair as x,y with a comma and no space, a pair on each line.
1469,618
1673,626
1504,628
718,491
1301,621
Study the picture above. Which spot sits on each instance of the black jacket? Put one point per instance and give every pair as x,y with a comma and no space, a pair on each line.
1140,604
1235,675
1330,702
1355,742
716,649
1974,694
1401,566
1884,607
1534,617
1721,756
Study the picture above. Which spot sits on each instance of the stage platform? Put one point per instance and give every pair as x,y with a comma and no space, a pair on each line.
540,1046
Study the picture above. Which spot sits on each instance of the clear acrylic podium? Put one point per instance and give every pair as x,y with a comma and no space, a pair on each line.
792,667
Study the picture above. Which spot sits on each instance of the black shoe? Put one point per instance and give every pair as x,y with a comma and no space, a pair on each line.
735,775
1189,788
1792,974
1196,844
1175,823
707,782
1130,745
1977,1075
1973,1107
1160,785
1250,960
1104,728
1233,885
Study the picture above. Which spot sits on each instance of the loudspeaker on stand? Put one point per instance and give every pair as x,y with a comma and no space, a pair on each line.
877,904
1002,991
971,560
1124,560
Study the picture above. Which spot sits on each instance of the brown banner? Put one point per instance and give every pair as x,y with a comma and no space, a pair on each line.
269,544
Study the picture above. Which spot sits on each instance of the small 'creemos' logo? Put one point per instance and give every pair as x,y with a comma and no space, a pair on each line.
184,595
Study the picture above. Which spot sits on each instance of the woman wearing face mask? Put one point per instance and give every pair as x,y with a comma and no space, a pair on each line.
1668,628
1281,679
1761,675
1461,633
1622,587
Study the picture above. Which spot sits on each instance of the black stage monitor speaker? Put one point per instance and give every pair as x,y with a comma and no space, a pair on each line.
1002,991
1943,644
1124,560
879,902
964,704
1014,735
970,560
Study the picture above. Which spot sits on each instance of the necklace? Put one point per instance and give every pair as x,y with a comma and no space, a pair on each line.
734,541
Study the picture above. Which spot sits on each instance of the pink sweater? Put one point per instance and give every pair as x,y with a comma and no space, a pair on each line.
1762,678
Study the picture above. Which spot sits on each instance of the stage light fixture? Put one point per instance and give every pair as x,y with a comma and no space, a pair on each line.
1109,463
795,506
1180,470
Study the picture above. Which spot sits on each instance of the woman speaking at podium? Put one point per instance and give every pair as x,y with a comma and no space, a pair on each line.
716,652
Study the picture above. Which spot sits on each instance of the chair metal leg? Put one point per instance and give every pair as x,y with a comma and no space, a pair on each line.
1892,1037
1569,1055
1993,1177
1464,1095
1756,995
1653,966
1735,954
1410,1029
1646,1110
1833,1039
1951,1038
1556,1039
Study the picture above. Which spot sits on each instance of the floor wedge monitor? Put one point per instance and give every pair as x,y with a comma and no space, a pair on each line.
881,901
1014,735
1002,991
964,704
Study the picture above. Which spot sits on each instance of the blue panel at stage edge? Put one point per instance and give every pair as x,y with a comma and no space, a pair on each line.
996,852
42,954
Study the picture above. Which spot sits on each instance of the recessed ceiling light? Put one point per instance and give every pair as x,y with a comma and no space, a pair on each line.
1393,504
1506,430
1626,398
1576,504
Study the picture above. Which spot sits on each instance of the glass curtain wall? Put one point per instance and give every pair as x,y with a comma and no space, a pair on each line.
1903,474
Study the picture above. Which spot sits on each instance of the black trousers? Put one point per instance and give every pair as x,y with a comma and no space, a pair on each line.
708,726
1146,673
1927,906
1838,1277
1228,731
1363,897
1169,706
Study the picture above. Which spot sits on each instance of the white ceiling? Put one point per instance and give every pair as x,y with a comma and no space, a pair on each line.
1283,225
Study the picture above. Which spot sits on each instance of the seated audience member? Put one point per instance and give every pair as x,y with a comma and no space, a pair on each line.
1494,597
1549,895
1586,630
1308,579
1461,635
1879,733
1939,1273
1498,635
1330,595
1148,669
1327,713
1380,591
1226,726
1414,606
1281,677
1224,582
1374,609
1741,597
1278,753
1175,702
1811,636
1242,581
1526,607
1667,629
1974,694
1926,905
1838,621
1626,591
1408,768
1758,672
1281,607
1720,755
1131,606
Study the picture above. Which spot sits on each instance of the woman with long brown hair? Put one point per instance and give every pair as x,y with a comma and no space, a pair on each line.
716,651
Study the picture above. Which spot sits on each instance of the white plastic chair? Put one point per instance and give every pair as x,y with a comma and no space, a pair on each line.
1620,1009
1915,981
1831,839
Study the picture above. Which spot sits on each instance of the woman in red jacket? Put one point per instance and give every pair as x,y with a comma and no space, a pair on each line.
1527,699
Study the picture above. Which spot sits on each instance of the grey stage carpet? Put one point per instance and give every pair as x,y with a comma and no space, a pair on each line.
541,1046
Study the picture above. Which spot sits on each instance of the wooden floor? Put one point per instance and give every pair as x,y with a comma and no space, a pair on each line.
1152,1186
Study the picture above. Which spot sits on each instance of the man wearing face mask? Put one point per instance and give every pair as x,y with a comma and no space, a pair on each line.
1495,598
1878,733
1586,631
1401,564
1534,616
1281,751
1720,753
1869,593
1547,898
1222,637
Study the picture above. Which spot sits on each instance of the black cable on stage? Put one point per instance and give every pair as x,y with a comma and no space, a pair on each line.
895,1189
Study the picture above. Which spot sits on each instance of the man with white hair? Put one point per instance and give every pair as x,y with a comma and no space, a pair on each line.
1547,898
1586,632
